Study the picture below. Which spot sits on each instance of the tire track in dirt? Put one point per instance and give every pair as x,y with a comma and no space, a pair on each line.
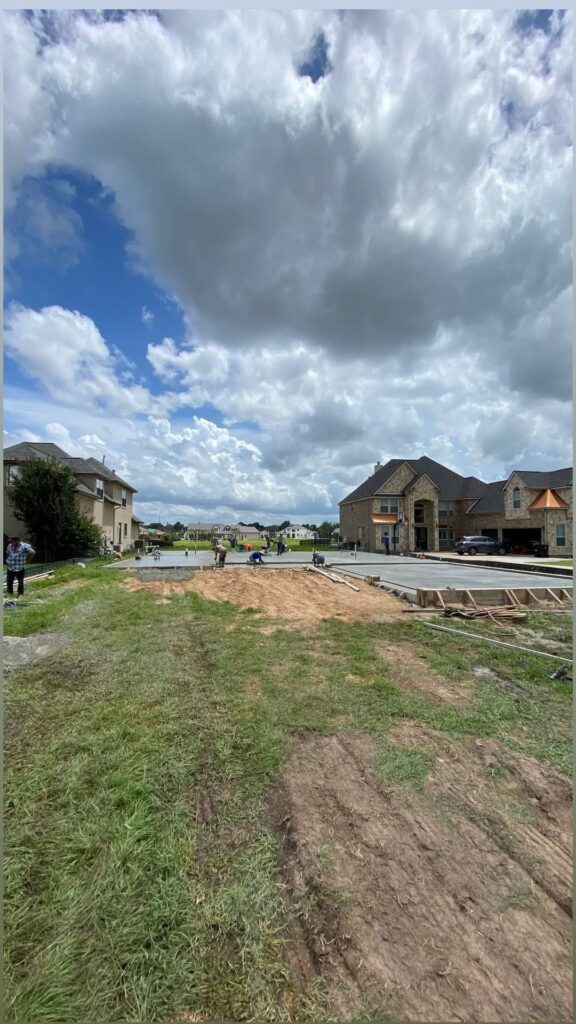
413,912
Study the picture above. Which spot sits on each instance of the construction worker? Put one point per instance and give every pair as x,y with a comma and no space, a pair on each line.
220,553
256,558
17,554
317,558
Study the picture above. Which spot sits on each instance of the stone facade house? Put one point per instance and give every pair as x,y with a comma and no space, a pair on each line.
101,494
418,504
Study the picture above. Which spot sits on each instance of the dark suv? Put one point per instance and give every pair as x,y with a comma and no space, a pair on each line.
479,546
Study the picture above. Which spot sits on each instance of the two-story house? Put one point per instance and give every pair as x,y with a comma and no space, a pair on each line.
418,504
102,495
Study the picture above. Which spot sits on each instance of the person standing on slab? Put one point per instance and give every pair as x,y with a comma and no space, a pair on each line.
17,554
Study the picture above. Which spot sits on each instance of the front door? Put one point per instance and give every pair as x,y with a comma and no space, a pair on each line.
421,538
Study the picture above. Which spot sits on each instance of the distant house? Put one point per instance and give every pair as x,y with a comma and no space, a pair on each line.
249,533
102,495
419,504
296,532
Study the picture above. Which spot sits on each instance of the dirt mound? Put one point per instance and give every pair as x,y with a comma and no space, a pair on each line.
292,594
410,911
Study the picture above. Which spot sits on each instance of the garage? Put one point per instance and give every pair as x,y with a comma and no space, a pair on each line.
520,540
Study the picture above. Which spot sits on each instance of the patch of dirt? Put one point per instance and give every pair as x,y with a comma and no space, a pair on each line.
409,672
252,688
25,650
291,594
526,803
419,914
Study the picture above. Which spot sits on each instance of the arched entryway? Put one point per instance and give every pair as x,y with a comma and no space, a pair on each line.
424,527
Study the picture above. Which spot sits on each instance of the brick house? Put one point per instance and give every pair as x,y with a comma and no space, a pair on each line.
101,494
418,504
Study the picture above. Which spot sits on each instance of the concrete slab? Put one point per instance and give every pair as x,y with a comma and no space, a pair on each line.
427,574
395,571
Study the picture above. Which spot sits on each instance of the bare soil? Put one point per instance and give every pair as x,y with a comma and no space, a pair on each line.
412,673
291,594
432,905
25,650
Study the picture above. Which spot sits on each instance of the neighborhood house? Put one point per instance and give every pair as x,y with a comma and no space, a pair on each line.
101,494
420,505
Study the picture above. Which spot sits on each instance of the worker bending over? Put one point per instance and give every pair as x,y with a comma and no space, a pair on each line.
256,558
220,553
317,558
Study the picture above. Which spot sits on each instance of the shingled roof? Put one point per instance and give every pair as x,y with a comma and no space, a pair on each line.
545,480
492,501
450,484
34,450
46,450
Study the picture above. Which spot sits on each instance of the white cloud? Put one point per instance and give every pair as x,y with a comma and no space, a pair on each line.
64,351
374,265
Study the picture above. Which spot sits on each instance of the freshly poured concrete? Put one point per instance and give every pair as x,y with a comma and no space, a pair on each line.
395,571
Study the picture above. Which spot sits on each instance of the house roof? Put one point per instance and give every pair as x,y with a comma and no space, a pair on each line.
91,467
136,520
85,490
450,484
47,450
34,450
551,479
549,499
491,502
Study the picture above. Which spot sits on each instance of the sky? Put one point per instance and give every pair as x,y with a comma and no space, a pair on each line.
251,253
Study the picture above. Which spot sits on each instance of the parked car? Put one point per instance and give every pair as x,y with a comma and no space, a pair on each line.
480,546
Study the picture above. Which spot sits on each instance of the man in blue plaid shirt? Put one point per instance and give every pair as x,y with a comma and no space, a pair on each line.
17,554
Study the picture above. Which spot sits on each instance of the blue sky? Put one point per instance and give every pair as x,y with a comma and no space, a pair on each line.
249,255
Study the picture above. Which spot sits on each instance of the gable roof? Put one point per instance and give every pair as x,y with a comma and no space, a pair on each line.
542,481
450,484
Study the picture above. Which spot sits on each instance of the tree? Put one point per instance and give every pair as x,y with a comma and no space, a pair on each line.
325,530
43,497
155,526
285,524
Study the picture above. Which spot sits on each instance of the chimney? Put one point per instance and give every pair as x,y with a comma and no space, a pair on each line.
377,467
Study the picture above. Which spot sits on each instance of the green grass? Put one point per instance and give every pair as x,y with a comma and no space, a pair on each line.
564,561
140,879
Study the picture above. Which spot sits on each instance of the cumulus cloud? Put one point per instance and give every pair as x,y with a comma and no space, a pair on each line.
64,351
361,212
372,265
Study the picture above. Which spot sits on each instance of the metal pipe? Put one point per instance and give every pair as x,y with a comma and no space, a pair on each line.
499,643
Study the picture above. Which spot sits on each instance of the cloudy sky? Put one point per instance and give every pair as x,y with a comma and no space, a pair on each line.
251,253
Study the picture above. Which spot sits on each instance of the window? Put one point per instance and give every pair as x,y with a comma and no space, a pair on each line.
100,488
445,508
125,529
11,474
418,512
561,535
124,498
445,536
389,505
516,498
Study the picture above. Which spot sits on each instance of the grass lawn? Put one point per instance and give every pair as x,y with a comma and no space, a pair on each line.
564,561
141,869
293,545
